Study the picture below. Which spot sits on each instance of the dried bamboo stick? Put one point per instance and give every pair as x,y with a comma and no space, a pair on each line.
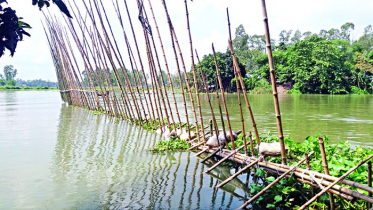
251,144
274,182
194,71
348,197
370,181
238,90
224,159
160,70
210,156
309,168
326,169
273,80
244,91
238,173
223,98
141,65
242,159
208,98
334,183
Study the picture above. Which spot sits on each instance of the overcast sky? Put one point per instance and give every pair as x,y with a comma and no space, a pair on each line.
208,25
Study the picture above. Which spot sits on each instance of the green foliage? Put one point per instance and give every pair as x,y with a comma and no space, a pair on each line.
327,63
262,86
225,65
10,82
2,82
173,144
358,91
10,72
12,28
289,193
248,82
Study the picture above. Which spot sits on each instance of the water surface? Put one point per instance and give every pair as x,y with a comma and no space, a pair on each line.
58,157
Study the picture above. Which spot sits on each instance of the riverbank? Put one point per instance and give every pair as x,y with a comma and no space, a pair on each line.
6,88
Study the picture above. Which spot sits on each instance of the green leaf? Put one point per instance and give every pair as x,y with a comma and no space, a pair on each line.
270,206
270,179
278,198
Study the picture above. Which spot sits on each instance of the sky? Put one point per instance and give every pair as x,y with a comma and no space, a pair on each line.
208,25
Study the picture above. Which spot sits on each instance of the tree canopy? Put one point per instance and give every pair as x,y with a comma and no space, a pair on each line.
12,28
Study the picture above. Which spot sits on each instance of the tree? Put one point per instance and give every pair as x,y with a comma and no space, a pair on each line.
10,72
318,66
296,37
226,69
12,29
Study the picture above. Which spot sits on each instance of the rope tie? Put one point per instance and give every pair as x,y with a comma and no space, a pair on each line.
144,21
302,176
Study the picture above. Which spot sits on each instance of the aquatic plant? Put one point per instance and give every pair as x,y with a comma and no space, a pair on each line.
289,193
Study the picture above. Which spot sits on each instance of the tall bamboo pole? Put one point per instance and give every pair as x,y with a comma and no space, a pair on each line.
132,60
141,64
223,98
238,90
163,94
117,55
273,81
194,74
167,68
208,98
178,66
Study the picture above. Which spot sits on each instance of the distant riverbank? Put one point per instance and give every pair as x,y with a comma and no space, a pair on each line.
6,87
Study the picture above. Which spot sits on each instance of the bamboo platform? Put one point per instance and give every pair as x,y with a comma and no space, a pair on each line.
91,72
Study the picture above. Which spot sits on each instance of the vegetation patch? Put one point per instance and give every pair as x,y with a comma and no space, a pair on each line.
290,194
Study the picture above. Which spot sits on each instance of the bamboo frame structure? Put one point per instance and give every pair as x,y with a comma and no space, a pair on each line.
274,182
103,64
335,182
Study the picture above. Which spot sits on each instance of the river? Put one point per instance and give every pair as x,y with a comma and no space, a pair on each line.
59,157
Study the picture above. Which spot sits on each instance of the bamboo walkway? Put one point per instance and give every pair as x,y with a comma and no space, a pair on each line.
91,73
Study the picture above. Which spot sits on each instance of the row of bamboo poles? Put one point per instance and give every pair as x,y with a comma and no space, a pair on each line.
147,100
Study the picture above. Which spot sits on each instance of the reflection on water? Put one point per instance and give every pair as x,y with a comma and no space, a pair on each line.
58,157
101,163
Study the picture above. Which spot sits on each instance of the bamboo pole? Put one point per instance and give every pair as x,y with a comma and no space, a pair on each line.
370,181
208,98
238,173
244,91
141,65
225,158
238,91
210,156
273,168
334,183
273,183
309,168
177,65
167,70
251,144
194,71
273,81
223,98
326,169
335,192
132,61
117,55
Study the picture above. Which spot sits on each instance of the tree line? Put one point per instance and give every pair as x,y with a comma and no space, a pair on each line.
328,62
9,79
